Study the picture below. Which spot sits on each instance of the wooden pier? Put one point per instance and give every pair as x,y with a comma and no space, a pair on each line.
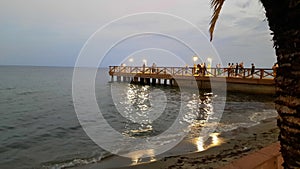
260,82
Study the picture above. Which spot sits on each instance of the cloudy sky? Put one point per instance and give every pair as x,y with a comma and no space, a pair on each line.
169,32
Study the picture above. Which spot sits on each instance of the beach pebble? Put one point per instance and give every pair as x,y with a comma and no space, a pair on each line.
180,162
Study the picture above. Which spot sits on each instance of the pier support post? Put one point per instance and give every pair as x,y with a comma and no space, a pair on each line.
148,81
153,81
261,73
112,78
175,83
159,81
165,81
142,81
119,78
171,82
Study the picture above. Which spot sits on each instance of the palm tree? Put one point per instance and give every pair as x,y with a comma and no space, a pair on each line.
284,22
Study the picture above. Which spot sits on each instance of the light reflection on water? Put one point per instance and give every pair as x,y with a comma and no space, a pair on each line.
144,105
141,105
199,142
199,108
212,141
140,102
137,157
138,98
150,110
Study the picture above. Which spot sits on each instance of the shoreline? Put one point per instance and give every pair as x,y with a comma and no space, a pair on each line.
237,143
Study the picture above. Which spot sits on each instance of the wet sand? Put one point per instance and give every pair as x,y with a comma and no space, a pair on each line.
237,143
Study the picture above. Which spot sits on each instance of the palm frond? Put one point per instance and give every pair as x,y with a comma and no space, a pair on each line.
216,5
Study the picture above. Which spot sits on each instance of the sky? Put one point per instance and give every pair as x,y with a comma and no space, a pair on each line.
103,33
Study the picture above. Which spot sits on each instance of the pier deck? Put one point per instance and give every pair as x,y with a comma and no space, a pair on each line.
261,81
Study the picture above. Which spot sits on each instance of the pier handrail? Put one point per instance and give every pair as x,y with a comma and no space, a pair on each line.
259,73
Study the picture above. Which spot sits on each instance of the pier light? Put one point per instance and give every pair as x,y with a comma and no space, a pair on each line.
145,61
130,60
209,60
195,58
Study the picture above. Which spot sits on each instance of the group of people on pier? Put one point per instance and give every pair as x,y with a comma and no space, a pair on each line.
200,69
233,70
238,69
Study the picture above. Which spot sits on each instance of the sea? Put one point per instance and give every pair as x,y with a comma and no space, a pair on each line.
40,128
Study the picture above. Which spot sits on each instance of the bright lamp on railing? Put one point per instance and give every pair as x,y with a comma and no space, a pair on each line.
145,61
195,58
209,60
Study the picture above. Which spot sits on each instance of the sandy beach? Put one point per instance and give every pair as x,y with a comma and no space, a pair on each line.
236,144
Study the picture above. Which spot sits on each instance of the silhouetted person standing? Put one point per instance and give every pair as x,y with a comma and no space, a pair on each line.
236,69
204,69
153,68
241,66
252,69
199,69
218,67
229,69
232,69
144,67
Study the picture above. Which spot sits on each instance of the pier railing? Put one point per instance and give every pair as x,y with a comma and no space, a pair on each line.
259,73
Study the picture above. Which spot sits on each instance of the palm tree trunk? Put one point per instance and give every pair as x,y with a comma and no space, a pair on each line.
284,21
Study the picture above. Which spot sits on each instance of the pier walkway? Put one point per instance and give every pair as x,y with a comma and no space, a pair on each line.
260,81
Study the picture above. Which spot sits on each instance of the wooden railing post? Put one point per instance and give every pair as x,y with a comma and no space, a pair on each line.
215,72
261,73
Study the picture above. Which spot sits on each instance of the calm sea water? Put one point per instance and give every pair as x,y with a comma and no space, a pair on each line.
39,127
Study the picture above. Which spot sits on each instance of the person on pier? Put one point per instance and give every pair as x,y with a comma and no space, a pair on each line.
199,69
218,67
236,69
186,68
204,69
232,69
144,67
153,68
241,66
252,69
229,70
